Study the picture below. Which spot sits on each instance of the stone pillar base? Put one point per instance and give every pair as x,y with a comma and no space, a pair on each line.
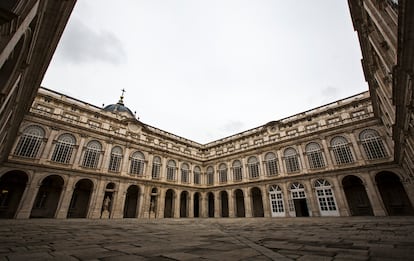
105,214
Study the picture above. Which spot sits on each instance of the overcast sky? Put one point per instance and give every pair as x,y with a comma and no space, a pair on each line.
207,69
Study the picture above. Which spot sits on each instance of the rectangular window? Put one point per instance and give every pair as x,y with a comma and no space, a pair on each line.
156,168
253,170
115,162
210,178
237,174
271,167
343,154
91,158
315,159
292,164
62,152
197,178
171,173
223,175
184,176
136,167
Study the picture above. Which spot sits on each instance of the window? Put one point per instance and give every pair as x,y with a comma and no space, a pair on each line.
115,160
271,164
253,166
222,173
341,150
64,148
92,153
276,201
185,173
156,168
171,166
291,160
314,154
326,199
237,170
197,175
30,142
136,166
297,190
210,176
372,144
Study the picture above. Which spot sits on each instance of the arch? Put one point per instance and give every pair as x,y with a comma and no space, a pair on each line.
276,201
92,153
257,202
115,159
300,203
210,197
64,148
356,196
196,208
291,160
393,194
169,203
338,140
131,202
79,204
253,166
224,204
30,142
136,166
240,210
372,143
48,197
12,187
108,199
341,150
271,164
184,204
314,155
326,198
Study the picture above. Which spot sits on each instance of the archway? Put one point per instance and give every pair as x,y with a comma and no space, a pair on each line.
224,204
184,204
79,204
131,202
168,206
240,212
108,200
257,203
356,196
48,197
12,186
210,204
393,194
196,204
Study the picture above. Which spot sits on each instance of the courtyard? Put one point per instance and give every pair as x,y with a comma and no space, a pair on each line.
339,238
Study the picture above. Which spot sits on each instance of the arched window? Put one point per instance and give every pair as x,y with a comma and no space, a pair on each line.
237,170
271,164
372,144
115,160
291,160
156,167
136,166
222,173
314,154
30,142
341,150
326,198
210,176
253,165
64,148
92,153
276,201
197,175
185,173
171,166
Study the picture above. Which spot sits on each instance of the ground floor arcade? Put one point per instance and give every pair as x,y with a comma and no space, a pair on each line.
29,194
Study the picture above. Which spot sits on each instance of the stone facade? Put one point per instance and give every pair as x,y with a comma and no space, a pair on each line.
77,160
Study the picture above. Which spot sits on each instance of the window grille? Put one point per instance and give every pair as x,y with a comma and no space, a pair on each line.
136,166
92,153
184,173
63,149
223,173
373,145
156,168
210,176
271,164
237,171
115,160
197,175
253,166
171,167
291,160
314,154
341,150
276,200
30,142
325,196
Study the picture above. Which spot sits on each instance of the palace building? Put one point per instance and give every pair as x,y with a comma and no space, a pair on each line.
70,159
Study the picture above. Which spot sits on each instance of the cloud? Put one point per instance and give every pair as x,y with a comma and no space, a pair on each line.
81,44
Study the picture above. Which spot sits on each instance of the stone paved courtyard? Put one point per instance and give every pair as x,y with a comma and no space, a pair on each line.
352,238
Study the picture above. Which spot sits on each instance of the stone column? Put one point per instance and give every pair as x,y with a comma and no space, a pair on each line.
262,172
78,161
204,205
125,162
190,206
286,197
247,202
49,144
310,194
141,203
265,201
356,148
118,199
161,202
217,204
28,198
231,203
374,197
177,204
302,159
327,154
340,197
146,202
97,198
66,197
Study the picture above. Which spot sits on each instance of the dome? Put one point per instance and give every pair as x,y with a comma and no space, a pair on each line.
119,108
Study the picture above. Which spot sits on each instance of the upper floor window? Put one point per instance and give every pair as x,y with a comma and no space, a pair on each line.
222,173
197,175
315,156
185,173
210,176
115,160
341,150
253,165
136,166
171,167
291,160
372,144
271,164
30,142
156,167
92,153
237,170
64,148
